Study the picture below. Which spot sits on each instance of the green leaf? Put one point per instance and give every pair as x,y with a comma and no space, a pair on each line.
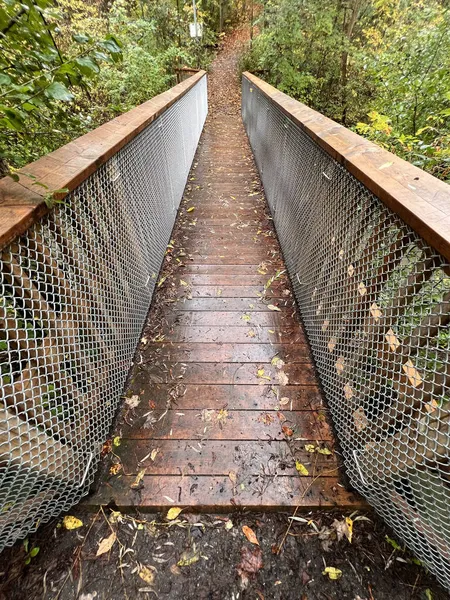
81,38
4,79
58,91
87,65
34,551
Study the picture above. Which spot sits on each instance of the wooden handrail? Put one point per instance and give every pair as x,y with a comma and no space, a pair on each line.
421,200
22,203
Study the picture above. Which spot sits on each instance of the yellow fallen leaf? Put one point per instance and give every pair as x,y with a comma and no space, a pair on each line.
260,374
251,333
137,482
116,441
173,513
272,307
70,522
183,283
233,477
310,448
228,525
301,468
188,558
332,572
325,451
106,544
190,209
246,318
250,535
350,528
147,574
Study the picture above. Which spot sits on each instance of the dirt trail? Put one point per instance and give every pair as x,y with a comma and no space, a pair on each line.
213,557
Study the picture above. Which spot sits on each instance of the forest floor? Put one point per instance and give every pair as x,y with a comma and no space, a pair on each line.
106,555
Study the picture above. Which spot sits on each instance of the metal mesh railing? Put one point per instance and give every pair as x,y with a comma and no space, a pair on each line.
75,291
375,300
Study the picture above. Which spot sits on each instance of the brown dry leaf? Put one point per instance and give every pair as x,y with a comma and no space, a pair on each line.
251,563
283,379
106,544
250,535
287,431
147,574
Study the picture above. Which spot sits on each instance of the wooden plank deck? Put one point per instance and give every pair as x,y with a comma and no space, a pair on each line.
228,401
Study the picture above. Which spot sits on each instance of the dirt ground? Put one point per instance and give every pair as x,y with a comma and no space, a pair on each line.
109,556
209,557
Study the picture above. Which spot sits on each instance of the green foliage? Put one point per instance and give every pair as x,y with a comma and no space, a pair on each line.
380,66
66,66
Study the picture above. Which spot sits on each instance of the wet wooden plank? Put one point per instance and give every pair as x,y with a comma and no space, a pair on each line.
258,492
232,304
228,353
233,397
235,335
175,457
205,291
227,373
210,424
246,318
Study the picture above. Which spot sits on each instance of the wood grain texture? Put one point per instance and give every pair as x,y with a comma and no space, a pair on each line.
420,199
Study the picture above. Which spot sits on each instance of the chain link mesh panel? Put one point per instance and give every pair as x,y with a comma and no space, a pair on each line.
75,291
375,301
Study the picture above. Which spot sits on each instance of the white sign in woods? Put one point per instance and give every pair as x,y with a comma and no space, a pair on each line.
193,32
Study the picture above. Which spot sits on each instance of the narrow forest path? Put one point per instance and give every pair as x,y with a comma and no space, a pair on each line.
226,410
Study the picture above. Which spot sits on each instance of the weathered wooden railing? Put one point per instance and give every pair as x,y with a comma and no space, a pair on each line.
366,239
76,284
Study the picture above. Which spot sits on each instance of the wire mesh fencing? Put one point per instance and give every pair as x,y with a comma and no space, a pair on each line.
375,301
75,292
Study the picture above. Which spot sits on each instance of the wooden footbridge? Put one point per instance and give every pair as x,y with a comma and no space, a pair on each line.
298,282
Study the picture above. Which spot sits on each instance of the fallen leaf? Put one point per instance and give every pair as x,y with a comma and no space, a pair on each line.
277,362
251,333
173,513
190,209
250,535
132,402
174,569
325,451
260,374
229,525
137,483
332,572
301,468
343,528
287,431
272,307
70,522
232,475
246,318
154,454
189,557
283,379
147,574
106,544
310,448
284,401
182,282
251,563
117,441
